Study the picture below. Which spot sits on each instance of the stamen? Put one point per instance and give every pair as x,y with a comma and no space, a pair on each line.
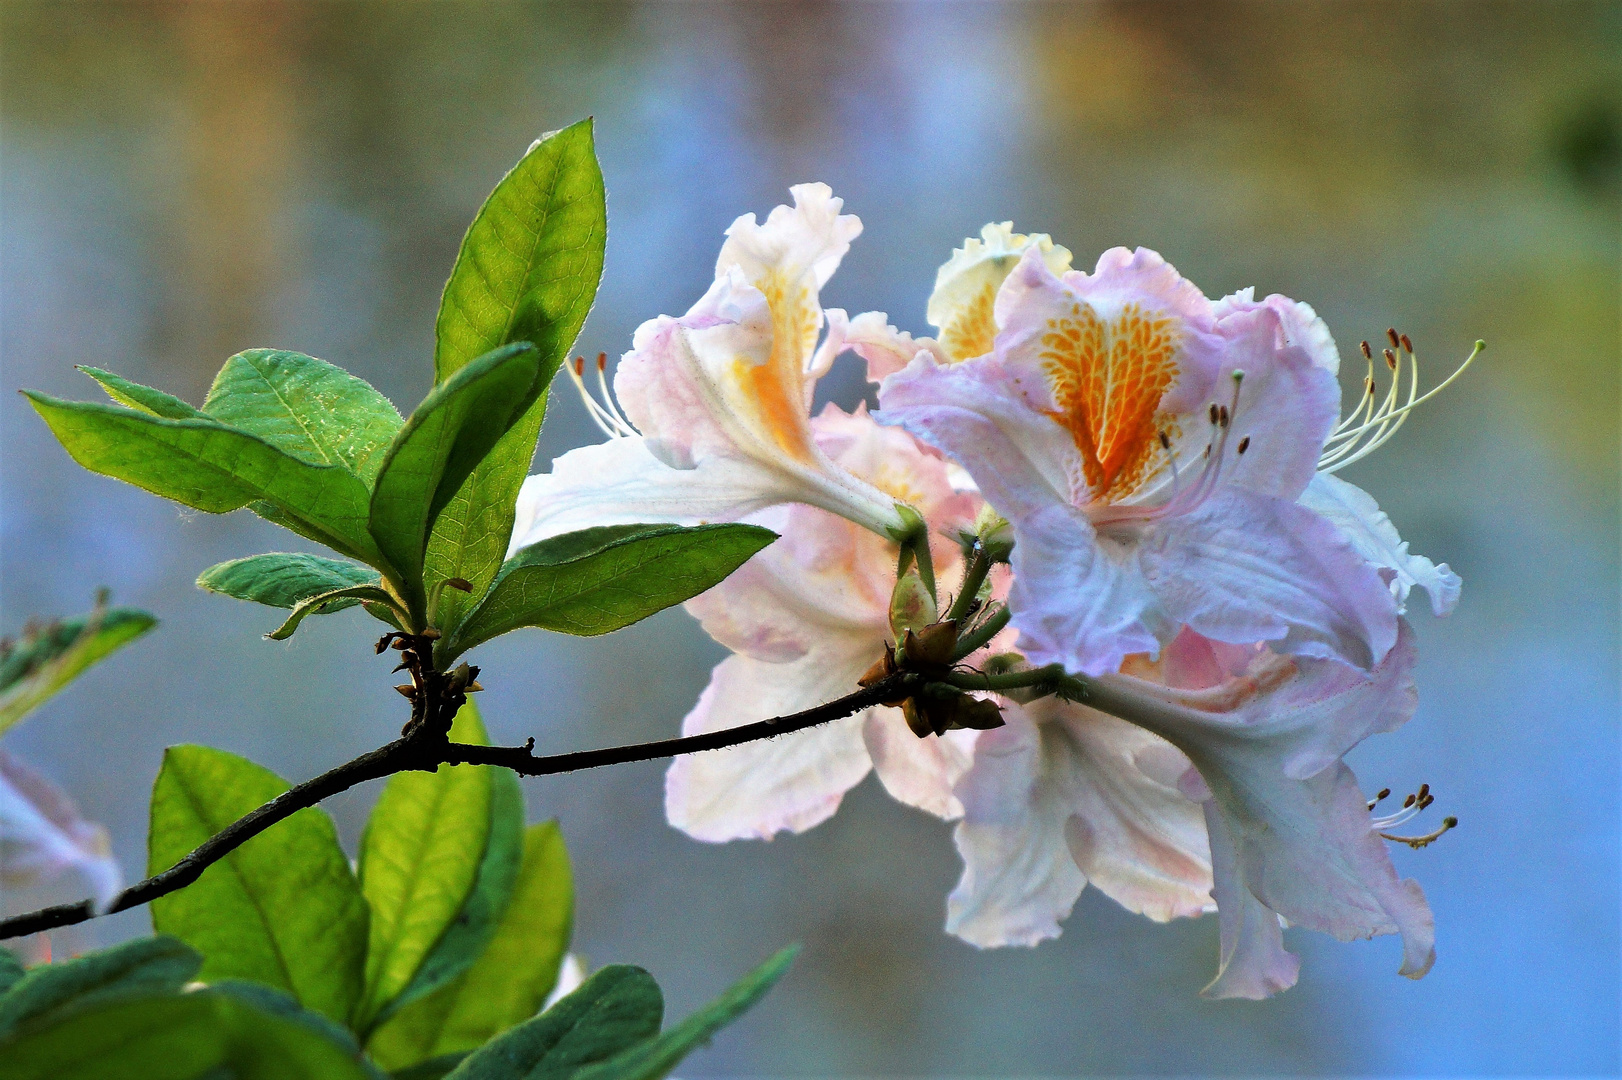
1370,427
608,418
1391,335
1417,842
1385,793
1244,444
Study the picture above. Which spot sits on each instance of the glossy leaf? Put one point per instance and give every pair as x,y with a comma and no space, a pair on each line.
283,909
144,398
419,860
470,932
205,1034
655,1058
286,580
50,657
206,465
512,977
616,1009
528,270
145,964
453,429
305,407
597,580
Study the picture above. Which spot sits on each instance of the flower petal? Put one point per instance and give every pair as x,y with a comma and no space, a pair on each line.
761,788
42,836
621,482
870,336
1372,535
1302,328
918,772
963,302
1137,838
1286,408
1245,567
1019,879
1253,962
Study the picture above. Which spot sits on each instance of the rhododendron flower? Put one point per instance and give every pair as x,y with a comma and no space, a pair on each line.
1149,449
42,836
805,618
1291,833
716,404
1063,796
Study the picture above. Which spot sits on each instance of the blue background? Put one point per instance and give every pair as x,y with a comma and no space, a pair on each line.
178,183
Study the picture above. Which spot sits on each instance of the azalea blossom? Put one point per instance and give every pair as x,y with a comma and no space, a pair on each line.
42,836
713,416
1291,833
1064,796
805,618
1149,448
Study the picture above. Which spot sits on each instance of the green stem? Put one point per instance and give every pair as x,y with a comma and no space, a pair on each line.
974,575
1049,676
980,635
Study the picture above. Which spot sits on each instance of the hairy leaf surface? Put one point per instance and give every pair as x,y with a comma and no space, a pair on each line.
145,398
305,407
286,579
283,909
155,963
209,466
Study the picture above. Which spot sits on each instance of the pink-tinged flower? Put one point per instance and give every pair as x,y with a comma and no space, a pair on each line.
1291,833
960,307
42,836
805,619
1063,796
716,404
1149,448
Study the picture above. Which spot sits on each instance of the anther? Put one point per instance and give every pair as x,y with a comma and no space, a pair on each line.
1424,791
1407,346
1368,384
1244,444
1383,794
1390,359
1165,441
1368,353
580,365
1214,413
1409,801
602,361
1391,335
1223,414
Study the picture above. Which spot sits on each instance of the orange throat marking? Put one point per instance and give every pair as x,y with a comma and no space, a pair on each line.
777,387
1107,380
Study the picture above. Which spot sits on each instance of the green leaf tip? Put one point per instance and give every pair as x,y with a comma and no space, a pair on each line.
49,656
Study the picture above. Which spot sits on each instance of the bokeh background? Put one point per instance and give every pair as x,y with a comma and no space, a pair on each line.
179,182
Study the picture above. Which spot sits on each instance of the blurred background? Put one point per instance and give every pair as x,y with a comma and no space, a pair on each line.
180,182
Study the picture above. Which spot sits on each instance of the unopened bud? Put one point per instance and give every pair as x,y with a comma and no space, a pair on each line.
911,605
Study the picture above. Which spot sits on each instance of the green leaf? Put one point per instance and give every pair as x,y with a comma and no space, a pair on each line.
50,657
420,858
305,407
597,580
11,969
456,425
432,1069
528,270
322,602
616,1009
284,580
654,1059
145,398
205,1034
283,909
145,964
511,978
469,933
208,466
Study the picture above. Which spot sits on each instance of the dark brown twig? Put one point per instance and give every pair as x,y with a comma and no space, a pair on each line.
425,748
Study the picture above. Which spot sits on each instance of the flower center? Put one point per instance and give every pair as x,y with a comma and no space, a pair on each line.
1107,379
